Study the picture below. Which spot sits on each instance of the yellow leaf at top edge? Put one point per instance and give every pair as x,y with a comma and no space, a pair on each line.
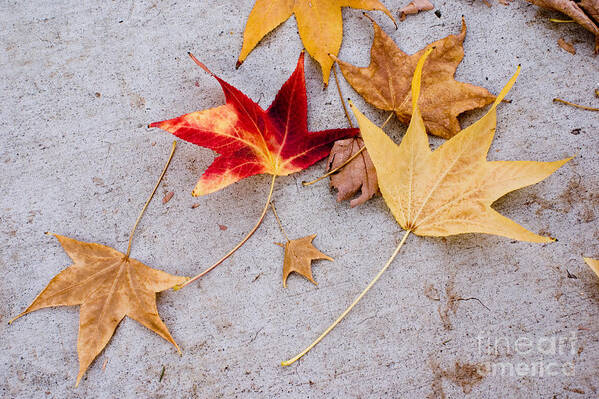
319,23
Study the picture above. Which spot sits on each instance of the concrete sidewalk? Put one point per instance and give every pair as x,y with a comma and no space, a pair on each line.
81,80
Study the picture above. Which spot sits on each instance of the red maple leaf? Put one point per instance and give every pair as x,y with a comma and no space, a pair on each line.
252,141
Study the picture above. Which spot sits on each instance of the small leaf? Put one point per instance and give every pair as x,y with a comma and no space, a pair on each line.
167,197
299,254
415,7
568,46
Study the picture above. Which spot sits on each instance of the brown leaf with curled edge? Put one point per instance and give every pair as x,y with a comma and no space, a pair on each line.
385,83
299,254
358,175
585,13
109,286
567,46
415,7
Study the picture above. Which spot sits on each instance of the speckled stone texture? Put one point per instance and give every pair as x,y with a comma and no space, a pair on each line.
80,81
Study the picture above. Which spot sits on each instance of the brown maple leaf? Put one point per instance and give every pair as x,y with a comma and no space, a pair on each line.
385,83
358,175
108,285
585,13
299,254
415,7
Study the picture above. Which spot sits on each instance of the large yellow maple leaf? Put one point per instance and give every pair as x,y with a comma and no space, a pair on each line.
450,190
447,191
319,23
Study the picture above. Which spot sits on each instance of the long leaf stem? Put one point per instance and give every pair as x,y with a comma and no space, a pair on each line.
559,100
247,237
341,97
149,199
368,287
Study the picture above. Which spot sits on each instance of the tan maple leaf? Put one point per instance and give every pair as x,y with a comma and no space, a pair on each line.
299,254
319,23
108,285
385,83
358,175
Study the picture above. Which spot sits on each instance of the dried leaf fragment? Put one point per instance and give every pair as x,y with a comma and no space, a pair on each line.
432,293
385,83
415,7
299,254
450,190
319,23
251,140
568,46
593,264
585,13
109,286
358,175
167,197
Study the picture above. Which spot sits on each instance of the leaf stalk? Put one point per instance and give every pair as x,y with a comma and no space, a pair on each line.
170,157
243,241
342,316
559,100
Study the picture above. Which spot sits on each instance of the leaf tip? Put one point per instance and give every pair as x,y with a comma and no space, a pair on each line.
15,318
238,64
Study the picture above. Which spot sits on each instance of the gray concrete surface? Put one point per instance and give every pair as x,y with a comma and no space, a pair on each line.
79,83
